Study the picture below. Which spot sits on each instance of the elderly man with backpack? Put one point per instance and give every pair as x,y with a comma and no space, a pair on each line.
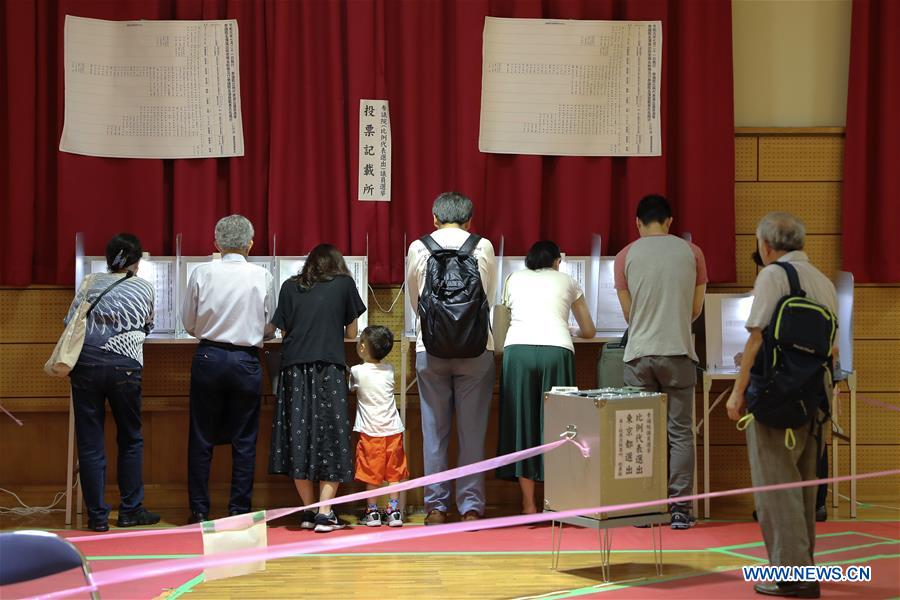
451,277
784,386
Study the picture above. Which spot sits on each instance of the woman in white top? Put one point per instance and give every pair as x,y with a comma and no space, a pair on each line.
538,354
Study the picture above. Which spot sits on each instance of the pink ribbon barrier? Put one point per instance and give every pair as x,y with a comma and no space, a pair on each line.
479,467
165,567
879,404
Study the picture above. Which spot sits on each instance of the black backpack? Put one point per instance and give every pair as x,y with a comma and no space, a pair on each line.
453,307
787,381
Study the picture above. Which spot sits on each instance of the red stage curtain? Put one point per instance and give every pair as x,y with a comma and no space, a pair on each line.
871,201
304,67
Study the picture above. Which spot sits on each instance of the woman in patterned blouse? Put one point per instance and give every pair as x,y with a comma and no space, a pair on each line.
109,368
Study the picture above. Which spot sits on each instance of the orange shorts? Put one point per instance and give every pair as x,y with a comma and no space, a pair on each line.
380,459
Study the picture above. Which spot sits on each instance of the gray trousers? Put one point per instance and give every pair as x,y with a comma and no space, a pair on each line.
787,517
464,387
676,377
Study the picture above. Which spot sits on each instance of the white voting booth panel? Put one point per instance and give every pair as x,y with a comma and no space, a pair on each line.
593,273
844,286
726,335
626,434
288,266
598,284
188,264
161,273
577,267
609,317
724,318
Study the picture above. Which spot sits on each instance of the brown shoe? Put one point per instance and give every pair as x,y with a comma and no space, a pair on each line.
436,517
471,516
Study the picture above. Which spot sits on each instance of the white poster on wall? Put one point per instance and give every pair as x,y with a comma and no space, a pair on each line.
634,443
152,89
571,88
374,150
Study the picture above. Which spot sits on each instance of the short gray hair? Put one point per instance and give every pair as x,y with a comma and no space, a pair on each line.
452,207
782,231
234,232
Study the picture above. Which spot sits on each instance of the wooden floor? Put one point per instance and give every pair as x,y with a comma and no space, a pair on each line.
419,576
473,572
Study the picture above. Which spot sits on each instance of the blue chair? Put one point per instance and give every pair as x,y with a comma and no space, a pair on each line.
27,555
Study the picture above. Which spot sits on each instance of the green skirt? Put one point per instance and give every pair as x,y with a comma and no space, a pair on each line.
528,372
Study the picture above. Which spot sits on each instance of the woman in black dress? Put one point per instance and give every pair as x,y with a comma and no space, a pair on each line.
311,428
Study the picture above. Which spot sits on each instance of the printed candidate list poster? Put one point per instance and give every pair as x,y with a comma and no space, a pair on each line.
152,89
571,88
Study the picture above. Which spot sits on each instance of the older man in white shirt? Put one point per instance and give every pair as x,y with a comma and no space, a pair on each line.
226,306
448,386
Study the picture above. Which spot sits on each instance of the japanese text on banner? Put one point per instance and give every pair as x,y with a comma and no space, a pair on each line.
374,150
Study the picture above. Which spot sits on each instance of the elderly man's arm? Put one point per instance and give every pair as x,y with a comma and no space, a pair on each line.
737,403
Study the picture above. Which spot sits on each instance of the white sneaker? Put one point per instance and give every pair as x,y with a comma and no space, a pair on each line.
395,519
372,519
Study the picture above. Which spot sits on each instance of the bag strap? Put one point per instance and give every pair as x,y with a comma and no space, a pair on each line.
793,278
430,244
469,245
106,291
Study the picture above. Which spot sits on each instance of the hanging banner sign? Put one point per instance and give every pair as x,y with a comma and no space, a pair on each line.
374,150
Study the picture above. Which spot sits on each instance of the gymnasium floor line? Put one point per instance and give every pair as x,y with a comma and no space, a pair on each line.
726,550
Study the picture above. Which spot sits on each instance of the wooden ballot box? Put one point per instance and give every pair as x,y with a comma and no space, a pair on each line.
626,433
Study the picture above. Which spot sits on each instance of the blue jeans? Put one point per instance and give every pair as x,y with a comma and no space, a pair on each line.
97,377
224,408
464,387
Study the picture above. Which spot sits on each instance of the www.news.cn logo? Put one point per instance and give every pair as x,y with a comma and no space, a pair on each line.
808,573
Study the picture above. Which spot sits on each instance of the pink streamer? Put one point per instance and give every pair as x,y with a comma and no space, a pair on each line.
479,467
879,404
165,567
11,416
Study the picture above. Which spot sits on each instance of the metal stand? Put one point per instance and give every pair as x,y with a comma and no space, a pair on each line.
604,532
73,480
404,388
70,461
707,409
836,436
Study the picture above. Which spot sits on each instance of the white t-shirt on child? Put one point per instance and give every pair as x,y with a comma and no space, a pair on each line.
376,410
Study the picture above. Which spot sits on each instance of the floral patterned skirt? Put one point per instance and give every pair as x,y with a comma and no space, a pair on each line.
311,427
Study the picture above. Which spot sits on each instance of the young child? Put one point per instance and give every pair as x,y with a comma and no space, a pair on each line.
379,451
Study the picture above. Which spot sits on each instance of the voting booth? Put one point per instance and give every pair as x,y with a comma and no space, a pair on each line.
725,318
288,266
594,275
169,276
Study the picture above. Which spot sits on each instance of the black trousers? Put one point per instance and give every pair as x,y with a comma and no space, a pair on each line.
98,377
224,409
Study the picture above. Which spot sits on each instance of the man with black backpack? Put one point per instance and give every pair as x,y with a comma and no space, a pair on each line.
784,385
451,277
